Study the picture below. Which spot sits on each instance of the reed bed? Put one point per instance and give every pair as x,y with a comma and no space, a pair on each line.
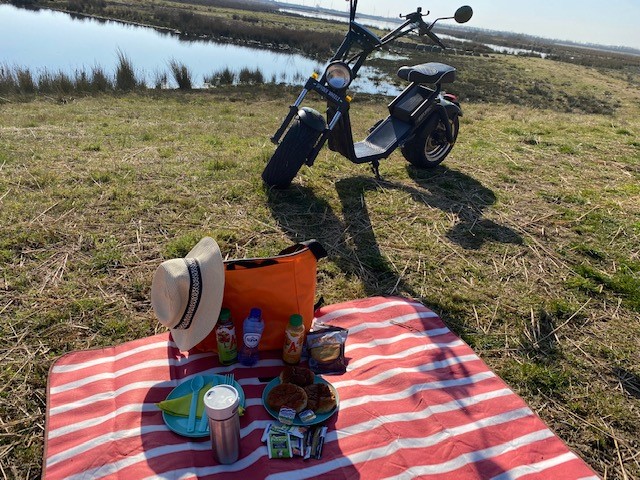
26,82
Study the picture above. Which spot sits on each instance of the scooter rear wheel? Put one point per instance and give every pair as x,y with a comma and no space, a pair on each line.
430,147
290,155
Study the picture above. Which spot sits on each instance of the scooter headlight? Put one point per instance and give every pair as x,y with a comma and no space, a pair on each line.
338,75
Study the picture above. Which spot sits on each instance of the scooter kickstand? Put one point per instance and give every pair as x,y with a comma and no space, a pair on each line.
375,168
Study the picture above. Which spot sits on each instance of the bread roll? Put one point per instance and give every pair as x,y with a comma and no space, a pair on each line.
320,397
297,375
287,395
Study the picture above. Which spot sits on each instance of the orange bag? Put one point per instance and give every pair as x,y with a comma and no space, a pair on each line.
280,286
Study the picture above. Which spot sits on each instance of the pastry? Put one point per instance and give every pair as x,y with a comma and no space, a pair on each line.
297,375
287,395
320,397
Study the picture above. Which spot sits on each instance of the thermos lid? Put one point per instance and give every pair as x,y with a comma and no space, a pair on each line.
221,402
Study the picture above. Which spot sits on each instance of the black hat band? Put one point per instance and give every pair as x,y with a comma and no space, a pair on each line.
195,293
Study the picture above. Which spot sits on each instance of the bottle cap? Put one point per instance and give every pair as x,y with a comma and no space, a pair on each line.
221,402
255,313
295,320
225,314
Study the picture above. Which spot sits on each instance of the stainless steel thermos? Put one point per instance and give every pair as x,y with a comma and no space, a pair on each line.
221,403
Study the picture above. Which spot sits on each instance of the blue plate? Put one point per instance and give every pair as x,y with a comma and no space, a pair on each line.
177,423
296,421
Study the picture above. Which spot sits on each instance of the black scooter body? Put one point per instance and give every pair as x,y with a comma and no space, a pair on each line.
422,120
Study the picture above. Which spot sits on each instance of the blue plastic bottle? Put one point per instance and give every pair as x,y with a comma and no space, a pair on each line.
252,329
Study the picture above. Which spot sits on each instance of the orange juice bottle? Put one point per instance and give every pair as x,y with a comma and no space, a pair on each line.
293,340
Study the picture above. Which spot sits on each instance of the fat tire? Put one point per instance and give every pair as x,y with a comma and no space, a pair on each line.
291,154
429,147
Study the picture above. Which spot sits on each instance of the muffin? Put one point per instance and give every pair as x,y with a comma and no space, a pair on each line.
297,375
287,395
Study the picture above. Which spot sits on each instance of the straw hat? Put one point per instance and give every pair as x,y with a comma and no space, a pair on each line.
186,293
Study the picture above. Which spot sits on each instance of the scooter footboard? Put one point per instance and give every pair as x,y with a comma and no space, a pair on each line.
382,140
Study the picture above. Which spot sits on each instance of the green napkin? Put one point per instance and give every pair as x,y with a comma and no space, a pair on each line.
179,406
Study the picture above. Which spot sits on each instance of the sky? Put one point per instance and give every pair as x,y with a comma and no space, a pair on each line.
612,22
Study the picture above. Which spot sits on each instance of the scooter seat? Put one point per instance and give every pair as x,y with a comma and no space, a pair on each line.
432,73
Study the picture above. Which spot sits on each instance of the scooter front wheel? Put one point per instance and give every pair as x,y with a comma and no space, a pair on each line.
430,147
290,155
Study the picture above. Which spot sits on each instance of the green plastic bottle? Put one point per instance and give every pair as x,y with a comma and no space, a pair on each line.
226,338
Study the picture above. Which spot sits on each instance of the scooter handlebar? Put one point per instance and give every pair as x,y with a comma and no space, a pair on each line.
415,16
423,27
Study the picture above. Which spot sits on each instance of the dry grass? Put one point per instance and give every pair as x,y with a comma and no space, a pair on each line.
526,241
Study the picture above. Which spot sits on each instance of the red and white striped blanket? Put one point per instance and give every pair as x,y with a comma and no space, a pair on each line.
416,402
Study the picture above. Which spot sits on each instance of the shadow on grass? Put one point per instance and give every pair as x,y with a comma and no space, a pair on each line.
629,381
462,195
350,240
350,243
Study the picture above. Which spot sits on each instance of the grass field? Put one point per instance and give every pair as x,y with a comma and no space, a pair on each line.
526,240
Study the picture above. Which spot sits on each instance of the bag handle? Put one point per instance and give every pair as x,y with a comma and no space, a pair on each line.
313,245
316,248
255,263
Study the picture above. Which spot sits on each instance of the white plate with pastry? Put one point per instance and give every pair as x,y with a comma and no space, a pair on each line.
319,396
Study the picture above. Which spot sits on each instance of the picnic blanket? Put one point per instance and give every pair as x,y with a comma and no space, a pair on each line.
415,402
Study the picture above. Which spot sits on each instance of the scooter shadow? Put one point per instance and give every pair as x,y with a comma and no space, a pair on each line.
349,236
465,197
349,240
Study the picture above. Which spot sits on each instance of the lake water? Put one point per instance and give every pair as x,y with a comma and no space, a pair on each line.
514,51
50,41
54,41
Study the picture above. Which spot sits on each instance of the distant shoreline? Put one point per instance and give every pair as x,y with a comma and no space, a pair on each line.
551,42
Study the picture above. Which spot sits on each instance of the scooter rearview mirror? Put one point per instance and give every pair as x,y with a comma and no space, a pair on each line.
463,14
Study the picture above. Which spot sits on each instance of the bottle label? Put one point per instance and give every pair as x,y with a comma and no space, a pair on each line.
251,340
292,346
227,344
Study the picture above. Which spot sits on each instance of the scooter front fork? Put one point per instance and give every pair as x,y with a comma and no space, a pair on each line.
323,138
293,109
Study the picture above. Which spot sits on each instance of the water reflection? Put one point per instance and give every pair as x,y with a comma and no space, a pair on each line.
55,41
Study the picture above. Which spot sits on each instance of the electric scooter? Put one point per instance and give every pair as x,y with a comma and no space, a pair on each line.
423,120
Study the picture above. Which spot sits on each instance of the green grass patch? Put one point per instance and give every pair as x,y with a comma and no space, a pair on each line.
548,379
624,283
